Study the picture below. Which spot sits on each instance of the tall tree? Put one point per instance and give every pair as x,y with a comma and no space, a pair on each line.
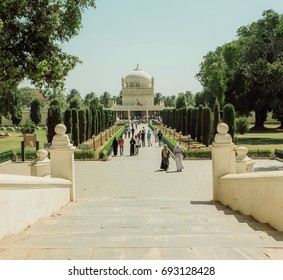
105,99
35,111
181,101
157,98
31,40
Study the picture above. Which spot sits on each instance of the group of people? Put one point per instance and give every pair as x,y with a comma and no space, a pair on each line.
165,155
138,140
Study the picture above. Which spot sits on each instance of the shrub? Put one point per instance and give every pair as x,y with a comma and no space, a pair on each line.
198,128
82,125
229,118
205,125
35,113
28,127
68,120
193,123
75,127
216,117
242,125
53,118
84,155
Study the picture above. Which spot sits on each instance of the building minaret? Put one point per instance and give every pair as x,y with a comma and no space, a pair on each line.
152,82
123,83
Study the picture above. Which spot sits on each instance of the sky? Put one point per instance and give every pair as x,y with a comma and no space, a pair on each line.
168,40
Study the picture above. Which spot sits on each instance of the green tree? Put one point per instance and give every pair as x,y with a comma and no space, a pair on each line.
31,40
205,125
105,99
216,117
75,127
229,118
74,94
35,111
198,127
157,98
170,101
88,98
193,123
181,101
68,120
213,74
256,83
82,125
16,109
54,117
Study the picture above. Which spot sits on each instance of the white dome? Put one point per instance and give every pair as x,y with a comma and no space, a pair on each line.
138,76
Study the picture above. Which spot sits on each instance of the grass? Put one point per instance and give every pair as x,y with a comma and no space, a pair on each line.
263,140
13,142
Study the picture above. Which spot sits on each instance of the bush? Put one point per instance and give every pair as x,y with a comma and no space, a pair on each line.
205,125
259,153
84,155
75,127
242,125
197,154
229,118
53,118
28,127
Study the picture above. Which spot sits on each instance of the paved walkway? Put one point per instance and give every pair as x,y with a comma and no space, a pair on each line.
127,208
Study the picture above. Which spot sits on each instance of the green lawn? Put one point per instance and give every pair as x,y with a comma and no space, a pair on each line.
13,142
261,140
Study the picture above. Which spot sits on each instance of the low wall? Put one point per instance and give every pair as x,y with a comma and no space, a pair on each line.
257,194
25,199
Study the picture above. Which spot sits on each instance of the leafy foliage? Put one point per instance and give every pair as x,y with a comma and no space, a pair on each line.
31,35
35,113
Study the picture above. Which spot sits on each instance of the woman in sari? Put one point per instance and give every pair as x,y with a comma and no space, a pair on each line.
178,158
165,155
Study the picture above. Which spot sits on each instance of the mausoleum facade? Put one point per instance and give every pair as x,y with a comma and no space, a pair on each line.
137,96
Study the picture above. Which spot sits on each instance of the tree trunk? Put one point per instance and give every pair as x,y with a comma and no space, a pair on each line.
260,118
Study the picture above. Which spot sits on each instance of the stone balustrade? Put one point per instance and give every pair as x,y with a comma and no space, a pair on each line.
258,194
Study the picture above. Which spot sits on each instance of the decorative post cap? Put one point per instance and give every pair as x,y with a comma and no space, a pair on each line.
61,139
222,137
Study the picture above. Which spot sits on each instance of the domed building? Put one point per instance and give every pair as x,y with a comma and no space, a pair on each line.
137,96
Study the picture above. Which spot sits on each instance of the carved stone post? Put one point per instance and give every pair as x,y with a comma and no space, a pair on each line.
223,157
62,158
40,167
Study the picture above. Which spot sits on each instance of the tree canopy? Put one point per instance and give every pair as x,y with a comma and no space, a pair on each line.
247,72
31,35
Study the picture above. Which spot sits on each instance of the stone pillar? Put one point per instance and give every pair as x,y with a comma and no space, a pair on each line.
129,115
62,158
40,167
223,157
146,116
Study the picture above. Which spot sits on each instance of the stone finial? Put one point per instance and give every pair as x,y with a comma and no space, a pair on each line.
241,153
41,157
222,137
61,139
243,162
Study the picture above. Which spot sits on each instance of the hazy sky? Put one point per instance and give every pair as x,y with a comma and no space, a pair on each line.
167,38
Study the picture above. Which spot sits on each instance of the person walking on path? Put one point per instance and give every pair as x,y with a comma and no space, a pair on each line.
155,134
115,146
129,131
159,135
165,155
132,146
133,132
148,137
121,145
125,131
178,158
143,137
138,144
